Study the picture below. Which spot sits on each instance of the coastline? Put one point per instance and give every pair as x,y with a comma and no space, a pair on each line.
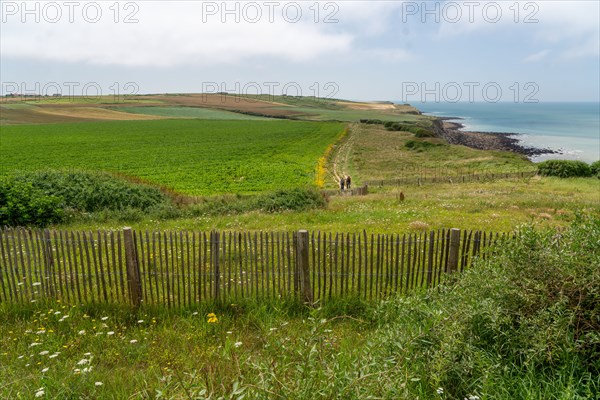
452,132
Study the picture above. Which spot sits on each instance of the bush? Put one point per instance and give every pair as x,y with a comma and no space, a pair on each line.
564,168
46,197
523,323
21,204
419,146
417,130
292,200
595,168
282,200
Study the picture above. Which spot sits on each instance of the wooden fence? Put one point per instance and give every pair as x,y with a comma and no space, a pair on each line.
449,177
183,268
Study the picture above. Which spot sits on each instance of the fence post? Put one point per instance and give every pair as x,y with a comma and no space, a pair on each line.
49,261
134,282
303,267
452,265
214,249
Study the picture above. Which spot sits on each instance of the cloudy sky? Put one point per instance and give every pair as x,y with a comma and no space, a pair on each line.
363,50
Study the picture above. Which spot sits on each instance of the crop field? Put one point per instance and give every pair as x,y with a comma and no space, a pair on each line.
189,112
194,157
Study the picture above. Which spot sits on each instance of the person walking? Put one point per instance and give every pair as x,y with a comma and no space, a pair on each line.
342,182
348,182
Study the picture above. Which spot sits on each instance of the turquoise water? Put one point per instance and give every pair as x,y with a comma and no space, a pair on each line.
571,128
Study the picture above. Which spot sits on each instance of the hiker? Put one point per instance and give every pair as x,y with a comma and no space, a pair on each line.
348,182
342,182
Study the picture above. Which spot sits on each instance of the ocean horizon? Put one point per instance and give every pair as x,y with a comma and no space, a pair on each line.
571,128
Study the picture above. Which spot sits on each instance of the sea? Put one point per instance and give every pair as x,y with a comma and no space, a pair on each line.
572,129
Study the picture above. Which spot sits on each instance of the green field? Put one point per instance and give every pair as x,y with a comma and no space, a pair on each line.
189,156
190,112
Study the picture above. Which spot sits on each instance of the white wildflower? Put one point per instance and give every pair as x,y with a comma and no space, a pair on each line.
87,354
82,332
53,355
140,321
104,318
110,333
43,353
98,384
36,283
83,361
34,344
133,341
40,392
57,313
237,344
440,390
45,369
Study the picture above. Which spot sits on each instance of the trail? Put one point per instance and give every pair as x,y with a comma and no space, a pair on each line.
342,155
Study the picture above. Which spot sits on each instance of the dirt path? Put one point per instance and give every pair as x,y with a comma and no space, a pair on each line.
341,159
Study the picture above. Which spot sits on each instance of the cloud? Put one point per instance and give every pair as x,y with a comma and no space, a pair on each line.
173,33
535,57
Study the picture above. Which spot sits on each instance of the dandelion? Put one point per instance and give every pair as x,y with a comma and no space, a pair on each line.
40,392
98,384
45,370
43,353
212,318
132,341
237,344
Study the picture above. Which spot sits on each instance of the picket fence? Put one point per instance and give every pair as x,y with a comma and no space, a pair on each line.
181,268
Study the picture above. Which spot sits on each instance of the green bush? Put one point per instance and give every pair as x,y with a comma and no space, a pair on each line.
595,168
419,146
417,130
292,200
46,197
523,323
283,200
564,168
21,204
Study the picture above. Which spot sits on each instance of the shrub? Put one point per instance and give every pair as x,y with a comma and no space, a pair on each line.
283,200
46,197
595,168
564,168
523,323
21,204
293,200
419,146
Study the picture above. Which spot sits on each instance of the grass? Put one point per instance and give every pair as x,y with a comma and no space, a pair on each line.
521,324
188,156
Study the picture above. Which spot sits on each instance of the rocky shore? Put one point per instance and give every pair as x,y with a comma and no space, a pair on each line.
453,133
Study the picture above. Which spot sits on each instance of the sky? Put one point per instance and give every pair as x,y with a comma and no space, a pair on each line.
408,51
